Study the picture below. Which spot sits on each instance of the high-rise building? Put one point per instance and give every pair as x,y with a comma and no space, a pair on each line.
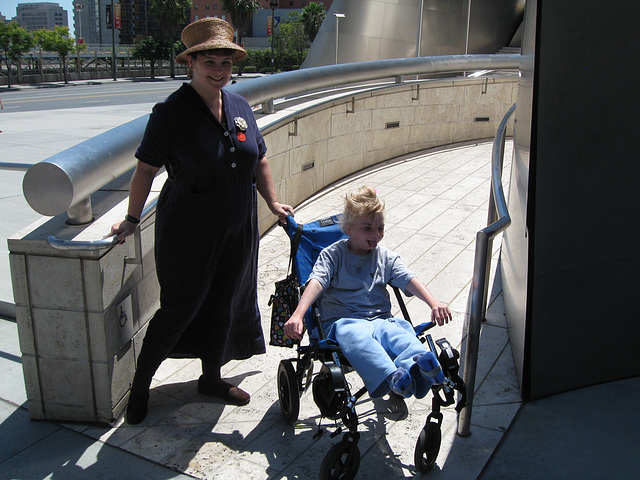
36,16
135,20
213,8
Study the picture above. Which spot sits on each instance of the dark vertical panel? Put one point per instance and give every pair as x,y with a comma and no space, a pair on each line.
585,273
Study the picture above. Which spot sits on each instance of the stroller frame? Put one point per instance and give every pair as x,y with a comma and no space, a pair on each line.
331,391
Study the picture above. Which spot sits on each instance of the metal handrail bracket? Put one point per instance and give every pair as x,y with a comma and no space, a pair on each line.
498,220
61,244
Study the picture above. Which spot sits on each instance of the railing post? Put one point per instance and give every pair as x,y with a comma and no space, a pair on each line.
498,220
81,213
267,107
473,329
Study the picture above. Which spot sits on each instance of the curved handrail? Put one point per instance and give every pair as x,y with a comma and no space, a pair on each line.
19,167
60,182
107,242
498,220
310,79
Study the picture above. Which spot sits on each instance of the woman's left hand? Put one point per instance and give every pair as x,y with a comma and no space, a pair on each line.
282,210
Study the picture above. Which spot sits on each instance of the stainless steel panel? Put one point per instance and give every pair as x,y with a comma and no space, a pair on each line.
394,24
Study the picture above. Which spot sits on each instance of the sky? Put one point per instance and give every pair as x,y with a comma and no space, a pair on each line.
8,8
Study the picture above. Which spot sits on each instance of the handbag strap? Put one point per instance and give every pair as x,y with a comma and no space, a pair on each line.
295,243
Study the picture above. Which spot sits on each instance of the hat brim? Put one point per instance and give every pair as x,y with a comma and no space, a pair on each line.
238,54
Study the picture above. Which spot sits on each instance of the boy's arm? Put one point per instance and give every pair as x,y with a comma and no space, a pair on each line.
295,325
440,312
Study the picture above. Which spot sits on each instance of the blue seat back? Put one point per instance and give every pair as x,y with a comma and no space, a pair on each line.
312,238
315,236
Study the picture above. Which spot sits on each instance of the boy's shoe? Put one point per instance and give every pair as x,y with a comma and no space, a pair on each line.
402,384
430,367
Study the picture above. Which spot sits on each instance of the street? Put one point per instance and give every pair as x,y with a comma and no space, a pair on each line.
23,98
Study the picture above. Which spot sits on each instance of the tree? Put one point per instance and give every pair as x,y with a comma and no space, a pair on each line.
241,12
312,17
152,49
58,40
292,41
170,15
14,42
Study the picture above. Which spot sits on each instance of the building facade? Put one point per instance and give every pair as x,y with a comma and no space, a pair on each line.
134,18
36,16
213,8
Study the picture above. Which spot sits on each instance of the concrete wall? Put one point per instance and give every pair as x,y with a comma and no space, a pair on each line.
81,315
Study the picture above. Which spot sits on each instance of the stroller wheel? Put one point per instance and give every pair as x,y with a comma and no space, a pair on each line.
341,462
427,447
288,393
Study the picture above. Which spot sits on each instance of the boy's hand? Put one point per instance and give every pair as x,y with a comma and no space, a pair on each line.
294,327
440,313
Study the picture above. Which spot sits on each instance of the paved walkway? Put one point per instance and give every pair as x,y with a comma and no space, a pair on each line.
436,201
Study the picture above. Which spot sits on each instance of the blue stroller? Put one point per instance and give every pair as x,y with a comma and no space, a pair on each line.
330,389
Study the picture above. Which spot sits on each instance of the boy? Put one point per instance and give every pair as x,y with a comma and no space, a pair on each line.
350,277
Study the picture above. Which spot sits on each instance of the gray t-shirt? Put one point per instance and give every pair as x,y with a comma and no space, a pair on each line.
355,286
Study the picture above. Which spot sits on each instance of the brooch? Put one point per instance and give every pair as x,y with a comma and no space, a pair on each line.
241,125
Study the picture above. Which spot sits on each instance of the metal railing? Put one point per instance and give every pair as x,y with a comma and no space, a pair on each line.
498,220
67,179
106,242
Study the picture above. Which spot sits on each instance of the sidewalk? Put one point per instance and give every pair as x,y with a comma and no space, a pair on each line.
436,201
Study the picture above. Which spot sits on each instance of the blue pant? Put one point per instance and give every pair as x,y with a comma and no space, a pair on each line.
377,348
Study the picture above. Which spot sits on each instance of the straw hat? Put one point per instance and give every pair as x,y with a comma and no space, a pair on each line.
209,34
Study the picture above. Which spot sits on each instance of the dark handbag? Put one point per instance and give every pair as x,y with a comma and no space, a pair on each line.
283,303
285,299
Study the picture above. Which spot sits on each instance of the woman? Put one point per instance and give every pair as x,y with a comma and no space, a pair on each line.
206,219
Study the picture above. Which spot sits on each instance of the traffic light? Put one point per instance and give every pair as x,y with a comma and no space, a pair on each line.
109,17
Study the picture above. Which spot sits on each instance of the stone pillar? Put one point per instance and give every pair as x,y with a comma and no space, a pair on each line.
81,317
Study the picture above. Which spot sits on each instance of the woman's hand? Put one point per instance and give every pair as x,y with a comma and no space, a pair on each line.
123,229
281,210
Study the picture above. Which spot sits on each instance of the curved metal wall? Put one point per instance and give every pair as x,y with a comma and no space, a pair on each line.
383,29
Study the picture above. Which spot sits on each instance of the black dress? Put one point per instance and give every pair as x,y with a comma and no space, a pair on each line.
206,237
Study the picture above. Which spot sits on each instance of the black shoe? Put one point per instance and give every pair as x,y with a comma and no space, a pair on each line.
136,412
138,401
229,393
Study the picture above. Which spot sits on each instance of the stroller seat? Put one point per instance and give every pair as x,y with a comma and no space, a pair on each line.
330,389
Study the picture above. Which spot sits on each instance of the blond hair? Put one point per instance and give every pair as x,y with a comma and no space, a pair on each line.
361,202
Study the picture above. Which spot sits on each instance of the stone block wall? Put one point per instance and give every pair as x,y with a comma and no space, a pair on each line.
344,135
81,316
